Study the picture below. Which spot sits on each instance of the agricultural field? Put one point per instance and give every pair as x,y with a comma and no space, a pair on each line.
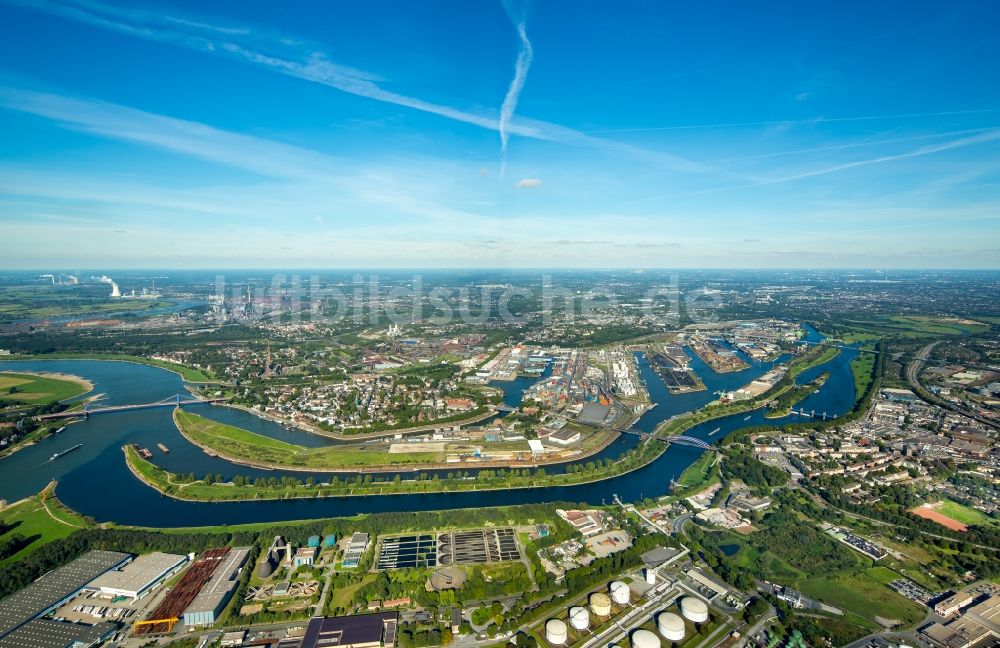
40,389
941,325
907,326
29,302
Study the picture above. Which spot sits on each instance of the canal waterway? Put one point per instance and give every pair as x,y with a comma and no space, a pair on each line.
95,481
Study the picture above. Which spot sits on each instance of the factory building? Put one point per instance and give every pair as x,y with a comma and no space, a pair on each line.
355,549
210,601
139,577
360,631
46,633
305,556
49,592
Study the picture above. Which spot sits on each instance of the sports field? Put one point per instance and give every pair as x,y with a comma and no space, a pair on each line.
964,514
925,511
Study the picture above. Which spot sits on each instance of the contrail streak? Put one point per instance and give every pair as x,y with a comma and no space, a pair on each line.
291,56
786,122
521,68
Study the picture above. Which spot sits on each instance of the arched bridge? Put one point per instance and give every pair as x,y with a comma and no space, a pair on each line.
689,441
172,401
679,440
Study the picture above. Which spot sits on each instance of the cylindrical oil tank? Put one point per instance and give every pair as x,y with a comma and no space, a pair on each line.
694,609
645,639
670,626
555,632
620,593
600,604
579,618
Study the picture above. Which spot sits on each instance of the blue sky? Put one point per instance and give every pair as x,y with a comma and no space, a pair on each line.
480,134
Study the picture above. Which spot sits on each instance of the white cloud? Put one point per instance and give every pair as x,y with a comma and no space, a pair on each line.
528,183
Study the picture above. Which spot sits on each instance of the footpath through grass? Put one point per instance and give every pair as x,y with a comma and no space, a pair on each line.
40,519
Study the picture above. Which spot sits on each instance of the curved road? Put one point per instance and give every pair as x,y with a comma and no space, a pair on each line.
913,377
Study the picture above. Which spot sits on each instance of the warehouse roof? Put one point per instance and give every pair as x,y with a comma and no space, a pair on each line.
45,633
223,580
55,587
347,631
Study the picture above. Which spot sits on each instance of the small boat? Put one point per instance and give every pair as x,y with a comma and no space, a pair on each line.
60,430
164,449
746,418
714,431
65,452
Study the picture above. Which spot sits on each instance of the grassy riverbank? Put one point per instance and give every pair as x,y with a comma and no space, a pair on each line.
782,405
40,388
179,487
242,446
189,374
209,489
34,522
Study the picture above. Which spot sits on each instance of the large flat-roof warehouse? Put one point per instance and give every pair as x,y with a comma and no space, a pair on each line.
139,577
46,633
361,631
54,588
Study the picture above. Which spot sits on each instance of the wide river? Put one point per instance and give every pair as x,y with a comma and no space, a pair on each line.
95,481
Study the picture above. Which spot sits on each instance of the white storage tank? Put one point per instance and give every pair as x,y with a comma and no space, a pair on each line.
670,626
579,618
694,609
600,604
555,632
650,576
645,639
620,593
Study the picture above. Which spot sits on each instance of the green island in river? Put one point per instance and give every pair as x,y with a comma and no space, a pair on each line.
242,446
